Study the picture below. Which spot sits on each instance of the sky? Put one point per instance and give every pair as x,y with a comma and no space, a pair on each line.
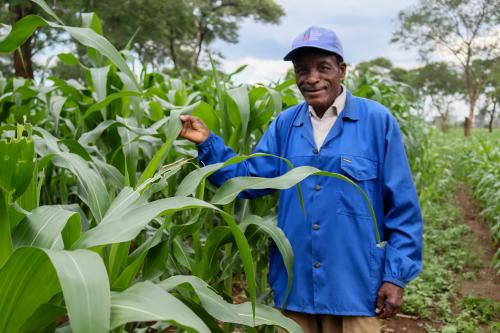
364,27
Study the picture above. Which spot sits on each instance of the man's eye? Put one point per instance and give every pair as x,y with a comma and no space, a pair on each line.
325,68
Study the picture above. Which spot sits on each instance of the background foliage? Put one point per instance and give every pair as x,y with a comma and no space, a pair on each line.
108,224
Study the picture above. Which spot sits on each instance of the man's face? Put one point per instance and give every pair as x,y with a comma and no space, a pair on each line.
318,76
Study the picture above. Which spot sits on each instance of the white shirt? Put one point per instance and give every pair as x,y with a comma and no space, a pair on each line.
321,126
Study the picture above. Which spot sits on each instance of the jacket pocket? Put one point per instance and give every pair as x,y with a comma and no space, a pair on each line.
358,168
363,172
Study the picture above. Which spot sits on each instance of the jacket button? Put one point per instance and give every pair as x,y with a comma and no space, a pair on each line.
315,151
317,265
315,226
317,187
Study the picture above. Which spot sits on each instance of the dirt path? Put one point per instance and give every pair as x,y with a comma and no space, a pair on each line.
487,283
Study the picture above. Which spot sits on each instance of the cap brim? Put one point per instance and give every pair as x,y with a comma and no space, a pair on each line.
290,55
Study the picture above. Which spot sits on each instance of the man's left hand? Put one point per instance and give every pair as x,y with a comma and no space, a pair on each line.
389,300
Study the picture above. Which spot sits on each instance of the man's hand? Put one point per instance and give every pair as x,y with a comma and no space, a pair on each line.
389,300
193,129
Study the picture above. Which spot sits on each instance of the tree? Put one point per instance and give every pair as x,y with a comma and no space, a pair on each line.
180,29
491,92
375,65
385,69
161,31
12,11
441,84
465,29
219,19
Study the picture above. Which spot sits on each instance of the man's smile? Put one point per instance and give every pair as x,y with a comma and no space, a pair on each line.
314,90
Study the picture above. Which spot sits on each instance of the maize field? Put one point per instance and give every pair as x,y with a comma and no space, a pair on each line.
107,222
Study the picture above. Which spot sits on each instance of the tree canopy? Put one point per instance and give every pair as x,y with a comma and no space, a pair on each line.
162,32
465,29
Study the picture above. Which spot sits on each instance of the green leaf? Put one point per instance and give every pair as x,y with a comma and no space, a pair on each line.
55,108
85,287
146,301
268,226
230,190
91,20
43,227
76,148
20,33
99,80
68,59
134,262
205,112
17,165
240,96
173,129
194,178
246,258
43,317
231,313
107,100
32,276
112,175
130,147
27,280
95,194
125,226
48,10
209,264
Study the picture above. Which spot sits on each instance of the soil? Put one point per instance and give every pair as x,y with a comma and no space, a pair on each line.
487,283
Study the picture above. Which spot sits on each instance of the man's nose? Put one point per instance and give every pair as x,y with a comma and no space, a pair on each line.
312,77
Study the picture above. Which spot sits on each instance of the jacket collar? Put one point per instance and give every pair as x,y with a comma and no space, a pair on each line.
350,111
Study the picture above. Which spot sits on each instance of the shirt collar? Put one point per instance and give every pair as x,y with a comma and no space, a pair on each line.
337,106
350,111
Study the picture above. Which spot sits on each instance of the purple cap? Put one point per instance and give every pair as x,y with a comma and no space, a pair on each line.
319,38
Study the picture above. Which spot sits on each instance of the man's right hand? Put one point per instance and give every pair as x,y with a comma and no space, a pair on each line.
193,129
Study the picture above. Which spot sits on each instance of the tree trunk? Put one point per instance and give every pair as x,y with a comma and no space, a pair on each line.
22,57
444,122
467,127
470,93
173,54
199,44
492,116
22,60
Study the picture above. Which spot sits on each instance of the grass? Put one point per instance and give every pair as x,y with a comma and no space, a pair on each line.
449,256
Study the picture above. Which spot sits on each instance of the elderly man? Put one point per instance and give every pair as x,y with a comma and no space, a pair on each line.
343,281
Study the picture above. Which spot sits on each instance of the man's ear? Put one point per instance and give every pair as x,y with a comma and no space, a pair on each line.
342,69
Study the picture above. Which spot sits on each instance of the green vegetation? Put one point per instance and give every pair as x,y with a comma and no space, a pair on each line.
455,27
449,257
480,161
108,224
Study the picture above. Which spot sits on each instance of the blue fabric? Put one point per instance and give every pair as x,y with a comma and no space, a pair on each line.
365,144
319,38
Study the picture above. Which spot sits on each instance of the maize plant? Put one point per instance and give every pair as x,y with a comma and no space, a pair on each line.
480,160
107,223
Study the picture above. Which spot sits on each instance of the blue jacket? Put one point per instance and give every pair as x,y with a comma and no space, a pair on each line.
338,267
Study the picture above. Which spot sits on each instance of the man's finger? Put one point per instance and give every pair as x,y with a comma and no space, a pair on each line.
380,303
388,311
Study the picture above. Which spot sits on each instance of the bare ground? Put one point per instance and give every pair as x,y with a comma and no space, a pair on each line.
486,284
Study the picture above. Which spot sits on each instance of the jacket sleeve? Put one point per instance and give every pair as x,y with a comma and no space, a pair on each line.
402,216
213,150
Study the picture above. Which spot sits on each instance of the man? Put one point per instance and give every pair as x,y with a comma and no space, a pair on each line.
342,279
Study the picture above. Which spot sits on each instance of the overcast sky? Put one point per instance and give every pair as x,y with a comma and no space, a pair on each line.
364,27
